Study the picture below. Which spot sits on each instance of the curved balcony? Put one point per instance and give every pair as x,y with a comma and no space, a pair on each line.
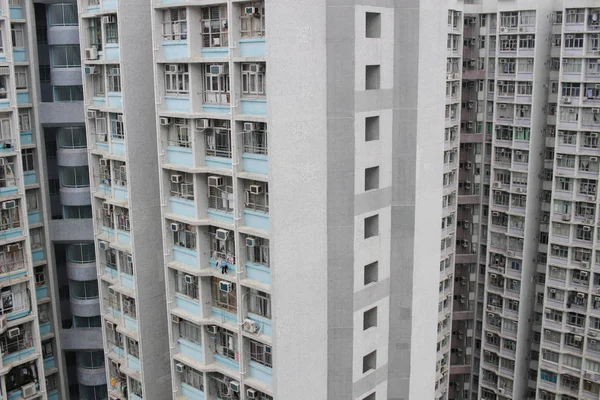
71,157
84,299
81,262
90,368
63,34
66,76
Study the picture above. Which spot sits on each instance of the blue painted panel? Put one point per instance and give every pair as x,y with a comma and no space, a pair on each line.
190,349
175,49
121,193
99,101
102,146
258,272
186,256
118,146
220,215
123,237
115,313
29,177
108,231
256,163
37,255
228,362
26,137
191,392
115,99
180,156
182,207
17,354
217,162
13,275
127,280
104,189
48,362
228,316
252,47
11,233
264,324
216,108
16,394
45,328
22,97
109,4
261,372
93,8
53,395
5,191
134,363
256,219
16,12
19,54
181,104
41,292
231,268
2,58
118,350
18,314
130,323
215,52
33,217
4,103
133,396
187,304
110,272
254,106
111,51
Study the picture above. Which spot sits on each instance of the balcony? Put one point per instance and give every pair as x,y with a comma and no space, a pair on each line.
187,304
180,155
190,349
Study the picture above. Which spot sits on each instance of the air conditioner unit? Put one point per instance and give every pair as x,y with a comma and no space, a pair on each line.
222,234
249,126
567,100
115,71
566,217
180,368
175,319
250,241
91,53
9,205
91,114
176,178
188,279
216,69
251,393
29,390
553,291
495,214
175,226
585,265
164,121
216,41
503,29
594,159
250,326
234,386
12,248
256,189
592,333
215,181
108,19
212,329
110,325
591,198
13,333
502,106
587,229
581,295
202,123
595,110
565,61
89,70
103,244
498,185
250,10
171,67
225,286
493,276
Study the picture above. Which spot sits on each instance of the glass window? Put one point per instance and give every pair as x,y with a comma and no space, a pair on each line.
72,138
65,56
83,289
74,177
62,14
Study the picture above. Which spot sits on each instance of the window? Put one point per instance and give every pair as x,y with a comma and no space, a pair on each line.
370,318
259,303
28,160
183,189
65,56
372,77
371,273
373,25
574,41
74,177
90,359
572,65
177,79
18,35
21,78
253,79
186,285
222,298
216,83
72,138
371,128
77,212
370,362
257,196
190,332
226,343
24,121
192,377
83,290
98,85
175,24
114,78
252,24
259,252
371,226
575,16
220,194
93,392
54,187
81,252
116,126
95,33
527,18
218,138
214,26
255,139
371,178
62,14
261,353
68,93
111,30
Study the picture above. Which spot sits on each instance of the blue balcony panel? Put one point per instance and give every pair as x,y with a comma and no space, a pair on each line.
4,103
6,358
18,314
38,255
118,146
180,155
217,162
99,101
2,57
102,146
48,362
133,396
118,350
182,207
258,272
93,8
108,231
16,12
191,393
123,237
186,256
134,363
5,191
130,323
190,349
215,52
252,47
220,215
228,362
41,292
175,49
226,315
181,104
33,217
254,106
121,193
22,97
53,395
104,189
19,54
110,272
114,313
11,233
264,324
109,4
187,304
45,328
26,137
111,51
231,268
256,163
115,99
216,108
256,219
13,275
261,372
29,177
127,280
